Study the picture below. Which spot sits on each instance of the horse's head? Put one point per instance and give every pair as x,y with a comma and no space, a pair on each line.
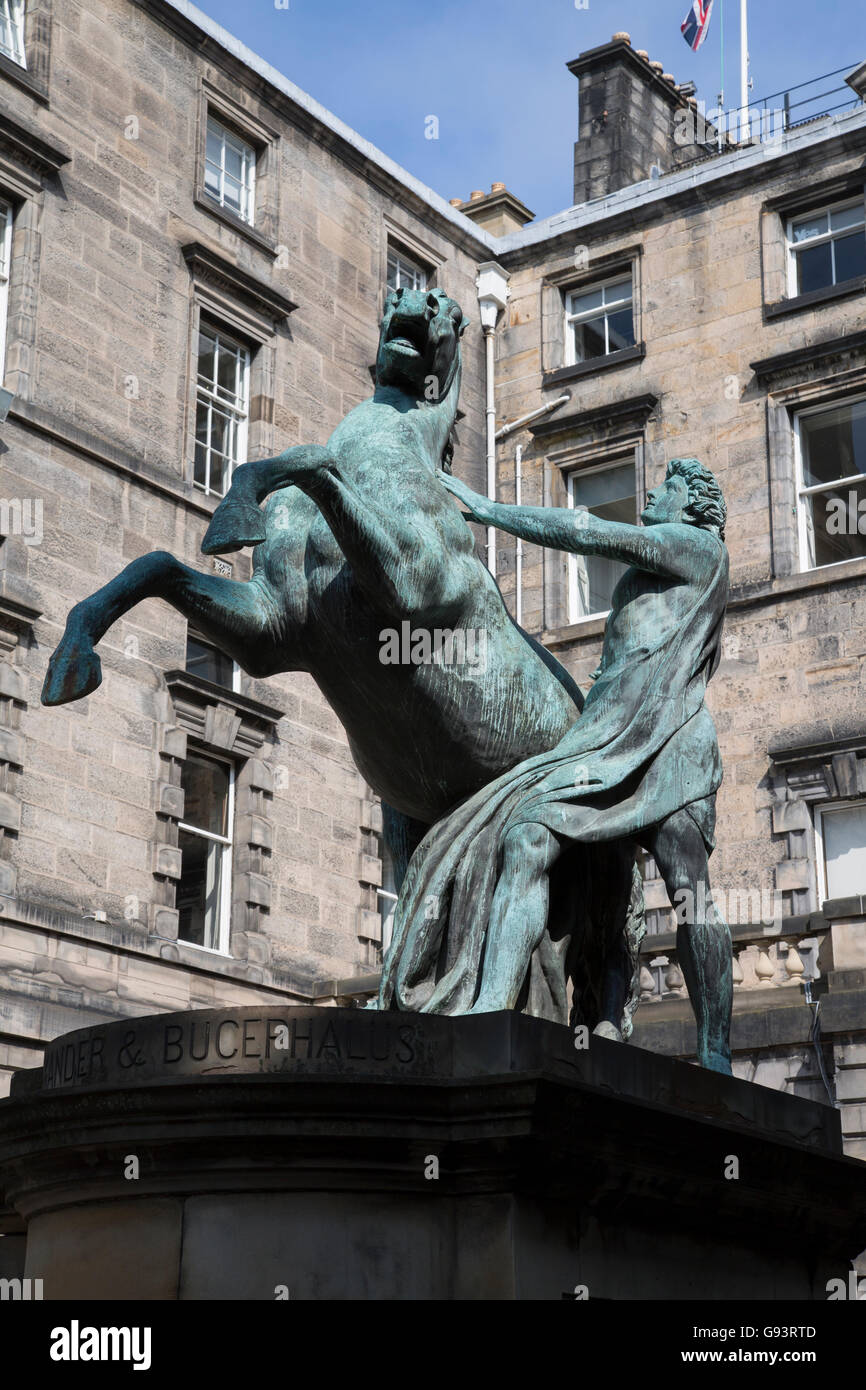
419,343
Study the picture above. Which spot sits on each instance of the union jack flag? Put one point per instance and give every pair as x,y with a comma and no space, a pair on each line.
696,23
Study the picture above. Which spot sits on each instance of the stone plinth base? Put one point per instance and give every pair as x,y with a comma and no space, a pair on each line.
246,1154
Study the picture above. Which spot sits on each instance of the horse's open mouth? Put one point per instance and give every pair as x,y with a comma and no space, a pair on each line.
408,334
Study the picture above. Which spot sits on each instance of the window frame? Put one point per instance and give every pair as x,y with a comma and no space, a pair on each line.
570,319
821,809
19,29
209,323
192,634
248,213
402,256
226,864
800,489
385,895
608,464
791,247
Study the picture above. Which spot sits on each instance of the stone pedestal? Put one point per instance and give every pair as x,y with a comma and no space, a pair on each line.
335,1154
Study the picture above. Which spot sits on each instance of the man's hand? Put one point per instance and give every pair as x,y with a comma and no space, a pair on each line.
477,507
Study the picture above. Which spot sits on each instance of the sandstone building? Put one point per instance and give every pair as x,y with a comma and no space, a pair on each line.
192,262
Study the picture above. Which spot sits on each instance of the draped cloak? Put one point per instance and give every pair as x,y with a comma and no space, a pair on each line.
643,747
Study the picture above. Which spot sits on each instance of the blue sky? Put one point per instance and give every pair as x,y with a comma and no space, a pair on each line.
493,71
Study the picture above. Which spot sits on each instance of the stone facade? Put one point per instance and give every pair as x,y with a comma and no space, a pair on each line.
118,250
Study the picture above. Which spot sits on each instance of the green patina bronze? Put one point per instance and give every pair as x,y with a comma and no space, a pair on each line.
360,559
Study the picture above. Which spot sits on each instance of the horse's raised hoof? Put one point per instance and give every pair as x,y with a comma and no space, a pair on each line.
233,525
607,1030
73,672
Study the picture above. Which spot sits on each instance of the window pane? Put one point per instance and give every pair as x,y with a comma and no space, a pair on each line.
404,274
229,169
850,253
212,180
833,443
621,290
206,794
610,495
814,268
234,160
206,356
847,217
200,889
232,194
582,303
589,340
806,227
836,517
228,372
208,662
594,490
845,850
620,330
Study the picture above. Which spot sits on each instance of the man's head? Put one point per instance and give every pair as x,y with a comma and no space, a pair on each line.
419,345
689,493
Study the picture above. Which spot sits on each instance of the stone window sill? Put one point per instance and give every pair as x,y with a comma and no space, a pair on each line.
595,364
575,632
827,295
22,78
237,224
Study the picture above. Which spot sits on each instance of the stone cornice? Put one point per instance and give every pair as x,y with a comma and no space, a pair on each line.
207,266
32,149
636,409
219,717
813,353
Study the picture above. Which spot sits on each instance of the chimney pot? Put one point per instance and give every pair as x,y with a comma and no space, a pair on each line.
456,202
476,194
642,53
497,188
657,66
669,77
621,37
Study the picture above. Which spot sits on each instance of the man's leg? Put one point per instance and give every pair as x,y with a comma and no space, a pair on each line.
703,938
518,916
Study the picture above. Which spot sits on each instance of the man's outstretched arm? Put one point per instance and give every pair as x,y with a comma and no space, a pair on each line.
563,528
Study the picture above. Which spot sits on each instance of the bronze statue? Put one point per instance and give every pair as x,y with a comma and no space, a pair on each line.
525,883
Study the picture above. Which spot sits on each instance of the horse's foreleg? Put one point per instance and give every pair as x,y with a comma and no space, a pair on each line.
394,576
239,520
241,618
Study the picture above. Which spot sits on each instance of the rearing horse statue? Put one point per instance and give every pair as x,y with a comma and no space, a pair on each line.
356,538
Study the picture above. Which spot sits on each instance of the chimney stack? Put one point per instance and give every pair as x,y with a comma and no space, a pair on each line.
632,116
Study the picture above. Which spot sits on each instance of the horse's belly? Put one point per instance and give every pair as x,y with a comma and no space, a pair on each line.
424,757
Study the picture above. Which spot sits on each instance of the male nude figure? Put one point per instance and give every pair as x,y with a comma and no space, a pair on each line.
677,576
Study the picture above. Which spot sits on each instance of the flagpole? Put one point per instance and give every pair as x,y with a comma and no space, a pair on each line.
745,128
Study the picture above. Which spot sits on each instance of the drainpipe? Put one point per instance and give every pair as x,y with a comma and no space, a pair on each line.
518,565
492,285
533,415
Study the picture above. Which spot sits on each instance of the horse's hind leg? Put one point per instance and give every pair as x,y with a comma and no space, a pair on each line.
241,618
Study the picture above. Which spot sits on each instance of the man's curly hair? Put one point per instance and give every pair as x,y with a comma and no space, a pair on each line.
706,505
